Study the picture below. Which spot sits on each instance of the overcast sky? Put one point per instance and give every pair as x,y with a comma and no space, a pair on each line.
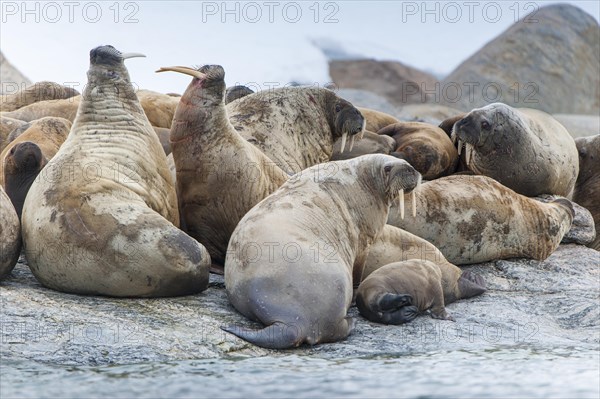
256,42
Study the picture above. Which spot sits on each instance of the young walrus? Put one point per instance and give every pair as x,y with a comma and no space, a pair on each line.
396,293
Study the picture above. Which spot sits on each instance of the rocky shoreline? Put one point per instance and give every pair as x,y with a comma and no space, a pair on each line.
549,304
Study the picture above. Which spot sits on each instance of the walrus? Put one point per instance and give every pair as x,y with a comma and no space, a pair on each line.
370,143
397,292
64,108
159,108
296,126
448,124
22,165
376,120
474,219
294,258
163,135
10,235
220,176
587,188
40,91
526,150
395,245
103,218
236,92
7,126
47,133
424,146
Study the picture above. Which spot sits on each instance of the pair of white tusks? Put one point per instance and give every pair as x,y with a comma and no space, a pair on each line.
413,200
344,137
468,149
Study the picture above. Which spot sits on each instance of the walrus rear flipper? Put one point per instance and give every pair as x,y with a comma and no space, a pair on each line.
470,285
276,336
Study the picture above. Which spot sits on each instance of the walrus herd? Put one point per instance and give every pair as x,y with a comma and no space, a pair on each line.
306,203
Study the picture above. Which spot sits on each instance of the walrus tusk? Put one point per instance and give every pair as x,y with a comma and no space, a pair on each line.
351,143
344,136
468,151
454,138
401,202
414,202
460,144
132,55
184,70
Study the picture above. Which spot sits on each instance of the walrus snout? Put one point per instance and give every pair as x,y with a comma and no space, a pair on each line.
402,179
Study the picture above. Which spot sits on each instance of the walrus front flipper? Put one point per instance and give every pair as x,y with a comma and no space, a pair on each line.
393,301
276,336
387,308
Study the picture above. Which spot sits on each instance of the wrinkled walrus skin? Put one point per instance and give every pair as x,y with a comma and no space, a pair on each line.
102,218
293,260
474,219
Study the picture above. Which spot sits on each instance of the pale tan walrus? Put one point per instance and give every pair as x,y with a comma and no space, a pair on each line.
294,258
103,218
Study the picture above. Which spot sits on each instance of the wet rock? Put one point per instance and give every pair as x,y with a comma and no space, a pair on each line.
548,61
553,303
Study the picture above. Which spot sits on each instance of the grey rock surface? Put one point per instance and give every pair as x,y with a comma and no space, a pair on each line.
367,99
580,125
550,304
10,77
548,61
398,83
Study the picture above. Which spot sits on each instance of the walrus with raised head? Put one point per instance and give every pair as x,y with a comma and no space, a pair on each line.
40,91
10,235
48,134
296,126
220,176
293,260
526,150
587,188
474,219
424,146
396,293
103,220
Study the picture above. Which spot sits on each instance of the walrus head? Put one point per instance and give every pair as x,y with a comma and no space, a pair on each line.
236,92
394,177
21,166
107,71
483,129
207,87
347,121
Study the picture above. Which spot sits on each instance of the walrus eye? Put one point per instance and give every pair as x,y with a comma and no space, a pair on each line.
485,125
387,168
338,107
